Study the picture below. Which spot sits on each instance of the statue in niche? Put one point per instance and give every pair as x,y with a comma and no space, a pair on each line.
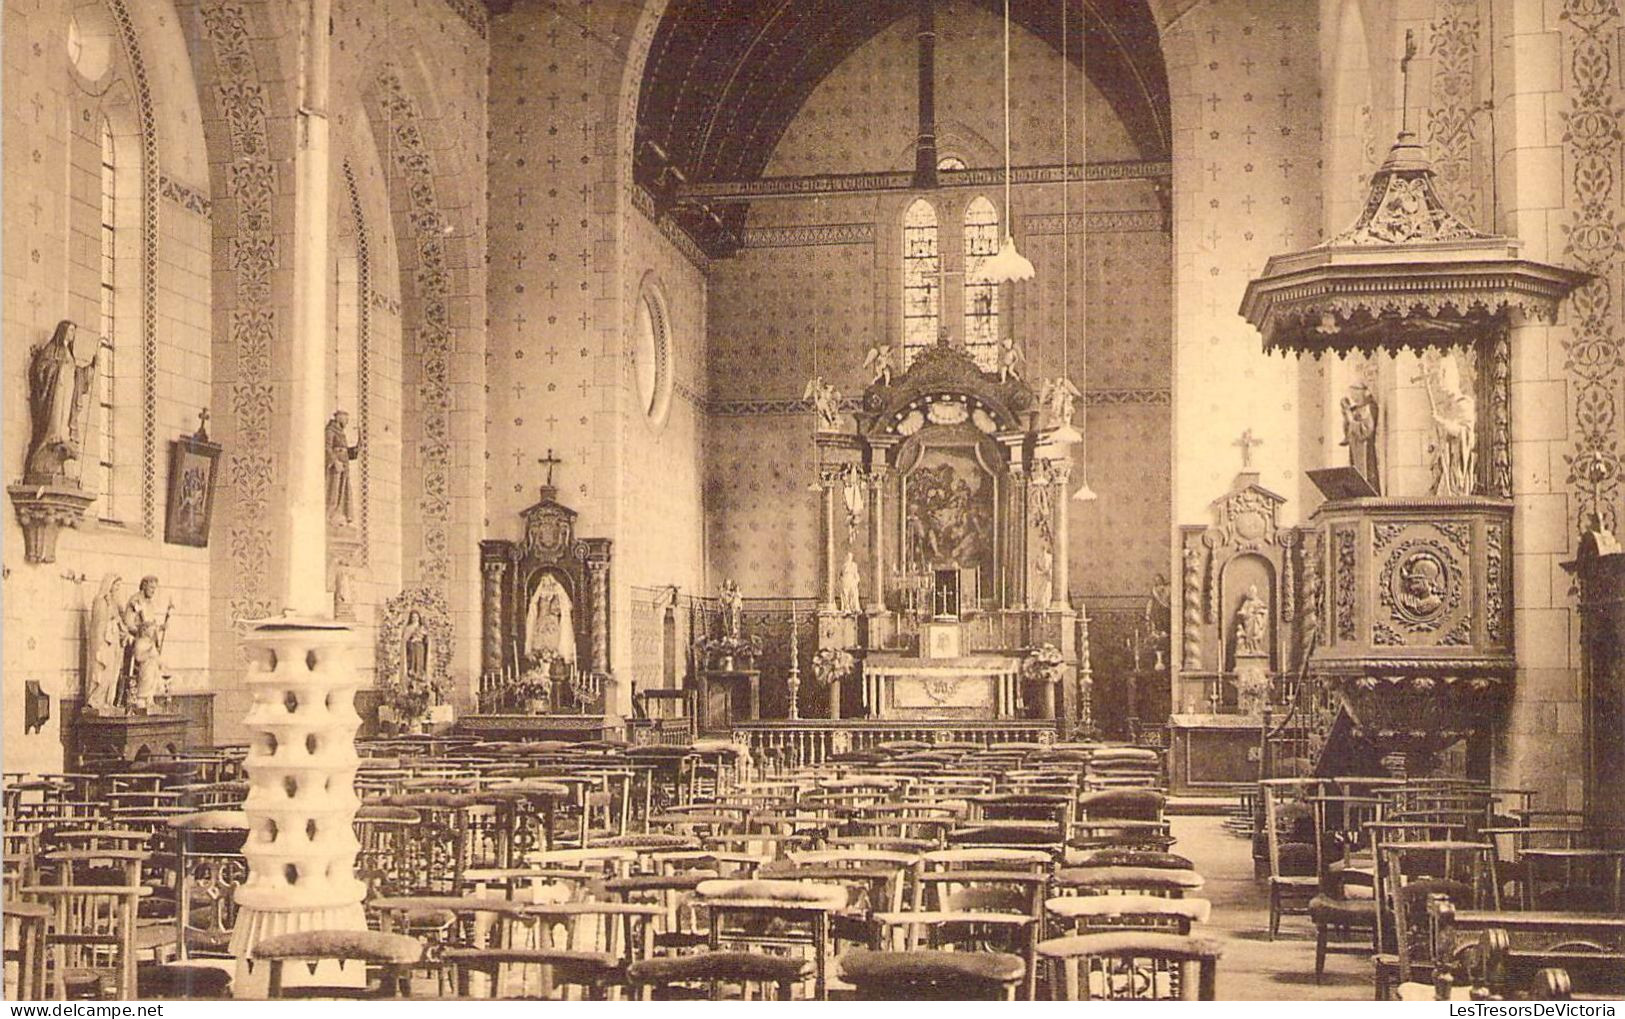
57,387
109,638
340,506
415,648
733,610
1045,590
1454,444
826,401
851,586
879,363
1056,396
1360,432
1252,625
549,623
144,667
1011,359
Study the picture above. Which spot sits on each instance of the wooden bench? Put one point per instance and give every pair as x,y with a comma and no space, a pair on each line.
1503,951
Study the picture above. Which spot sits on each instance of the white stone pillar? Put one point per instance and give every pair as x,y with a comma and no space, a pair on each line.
306,531
1060,598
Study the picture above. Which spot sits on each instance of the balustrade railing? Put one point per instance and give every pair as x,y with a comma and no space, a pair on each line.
795,744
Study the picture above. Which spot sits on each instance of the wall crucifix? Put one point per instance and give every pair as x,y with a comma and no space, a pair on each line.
1247,442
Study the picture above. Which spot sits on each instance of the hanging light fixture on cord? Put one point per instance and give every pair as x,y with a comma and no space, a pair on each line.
1084,493
1009,265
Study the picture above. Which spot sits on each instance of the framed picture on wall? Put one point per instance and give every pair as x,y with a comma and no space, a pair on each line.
193,461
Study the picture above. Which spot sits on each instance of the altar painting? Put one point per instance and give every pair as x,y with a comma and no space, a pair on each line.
949,496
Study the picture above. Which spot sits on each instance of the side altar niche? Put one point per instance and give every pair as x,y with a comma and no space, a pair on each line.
544,648
944,537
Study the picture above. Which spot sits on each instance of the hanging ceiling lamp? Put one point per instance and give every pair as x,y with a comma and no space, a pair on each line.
1009,265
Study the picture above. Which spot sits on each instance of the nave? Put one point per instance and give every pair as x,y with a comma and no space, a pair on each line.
906,870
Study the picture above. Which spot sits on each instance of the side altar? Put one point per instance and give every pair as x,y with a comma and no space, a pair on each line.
544,652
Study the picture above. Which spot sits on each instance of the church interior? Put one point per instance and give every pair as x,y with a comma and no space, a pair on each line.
800,499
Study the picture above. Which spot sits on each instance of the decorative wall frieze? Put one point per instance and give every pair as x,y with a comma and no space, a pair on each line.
1592,142
857,183
1100,222
777,407
644,203
809,235
363,346
185,195
433,330
252,254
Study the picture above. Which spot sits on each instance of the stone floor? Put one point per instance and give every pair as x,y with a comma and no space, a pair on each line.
1255,968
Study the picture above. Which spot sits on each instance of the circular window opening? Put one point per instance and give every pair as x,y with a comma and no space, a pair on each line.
651,353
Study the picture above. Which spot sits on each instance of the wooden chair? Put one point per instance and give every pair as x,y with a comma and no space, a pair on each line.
1161,882
1294,864
1133,966
744,913
209,866
1412,872
704,975
393,954
26,925
931,975
1093,914
92,939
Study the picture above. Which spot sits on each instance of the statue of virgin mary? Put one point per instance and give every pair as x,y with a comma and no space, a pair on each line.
549,621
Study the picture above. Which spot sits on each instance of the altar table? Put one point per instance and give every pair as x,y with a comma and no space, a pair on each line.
902,686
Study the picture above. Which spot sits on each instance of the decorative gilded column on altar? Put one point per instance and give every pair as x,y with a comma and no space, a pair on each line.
492,572
1020,519
877,537
829,478
1060,598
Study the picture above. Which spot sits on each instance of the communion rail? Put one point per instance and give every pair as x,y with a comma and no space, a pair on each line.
788,744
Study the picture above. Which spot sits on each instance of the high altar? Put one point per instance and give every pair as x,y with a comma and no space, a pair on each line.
944,535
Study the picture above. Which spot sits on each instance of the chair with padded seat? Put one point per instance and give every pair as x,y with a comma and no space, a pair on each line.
703,975
779,914
1132,966
1163,882
1091,914
392,955
931,975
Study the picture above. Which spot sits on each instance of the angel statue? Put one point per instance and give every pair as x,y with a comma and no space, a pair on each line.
826,401
1057,395
1011,358
879,364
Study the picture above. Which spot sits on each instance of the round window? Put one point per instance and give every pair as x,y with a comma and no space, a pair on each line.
651,353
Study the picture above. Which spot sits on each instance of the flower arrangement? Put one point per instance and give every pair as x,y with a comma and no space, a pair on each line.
1044,664
727,651
829,664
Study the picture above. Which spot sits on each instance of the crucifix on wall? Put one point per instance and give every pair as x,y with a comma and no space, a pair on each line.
549,461
1247,442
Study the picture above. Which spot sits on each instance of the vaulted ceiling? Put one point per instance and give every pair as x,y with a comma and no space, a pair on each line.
724,78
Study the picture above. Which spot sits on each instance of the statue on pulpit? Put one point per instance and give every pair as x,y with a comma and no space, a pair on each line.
1454,443
1056,396
549,622
880,363
1360,432
1252,625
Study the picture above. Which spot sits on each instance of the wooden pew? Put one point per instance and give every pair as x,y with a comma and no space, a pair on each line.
1503,952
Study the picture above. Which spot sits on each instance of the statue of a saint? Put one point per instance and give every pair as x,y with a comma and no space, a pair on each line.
550,622
57,387
1360,432
826,400
879,364
1044,591
1159,618
851,586
144,668
340,508
104,658
733,609
415,647
1455,430
852,496
1252,625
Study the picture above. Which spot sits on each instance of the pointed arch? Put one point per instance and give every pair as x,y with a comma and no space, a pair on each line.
981,239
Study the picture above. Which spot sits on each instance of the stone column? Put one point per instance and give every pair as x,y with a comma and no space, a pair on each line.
1016,555
1060,599
306,519
301,804
877,538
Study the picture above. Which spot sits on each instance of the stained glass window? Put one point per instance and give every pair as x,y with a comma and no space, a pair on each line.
922,279
981,295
